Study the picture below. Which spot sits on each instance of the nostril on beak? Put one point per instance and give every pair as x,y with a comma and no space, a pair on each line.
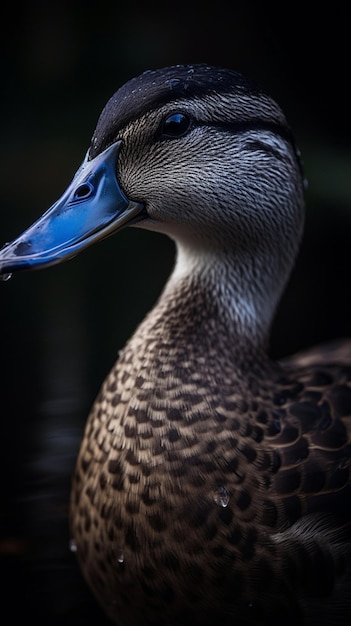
83,192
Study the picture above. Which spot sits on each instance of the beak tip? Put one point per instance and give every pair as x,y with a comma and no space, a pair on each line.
93,207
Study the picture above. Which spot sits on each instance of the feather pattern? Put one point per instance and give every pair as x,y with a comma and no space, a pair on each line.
212,484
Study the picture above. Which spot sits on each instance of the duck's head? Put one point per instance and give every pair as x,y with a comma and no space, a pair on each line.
197,152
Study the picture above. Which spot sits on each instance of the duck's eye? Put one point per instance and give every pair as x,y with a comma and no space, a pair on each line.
176,125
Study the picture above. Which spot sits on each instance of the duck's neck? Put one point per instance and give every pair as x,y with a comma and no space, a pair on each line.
240,285
212,300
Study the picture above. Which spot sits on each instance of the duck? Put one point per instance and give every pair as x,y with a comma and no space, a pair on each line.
212,485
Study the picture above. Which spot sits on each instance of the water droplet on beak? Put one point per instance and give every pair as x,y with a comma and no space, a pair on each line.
5,277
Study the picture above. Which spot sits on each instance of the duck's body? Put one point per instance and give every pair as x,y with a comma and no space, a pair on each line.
212,485
182,506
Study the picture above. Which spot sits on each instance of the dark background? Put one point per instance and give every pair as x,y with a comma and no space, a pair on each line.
61,328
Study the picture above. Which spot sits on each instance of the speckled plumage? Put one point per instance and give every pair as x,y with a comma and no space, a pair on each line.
193,484
213,485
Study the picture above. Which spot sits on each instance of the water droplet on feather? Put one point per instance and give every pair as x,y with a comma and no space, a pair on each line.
221,496
120,557
72,545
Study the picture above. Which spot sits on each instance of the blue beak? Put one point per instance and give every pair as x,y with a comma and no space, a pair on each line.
93,207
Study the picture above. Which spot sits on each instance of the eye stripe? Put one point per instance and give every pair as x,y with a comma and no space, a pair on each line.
256,144
243,126
257,124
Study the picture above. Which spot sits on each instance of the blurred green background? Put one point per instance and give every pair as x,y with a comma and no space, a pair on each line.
62,328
